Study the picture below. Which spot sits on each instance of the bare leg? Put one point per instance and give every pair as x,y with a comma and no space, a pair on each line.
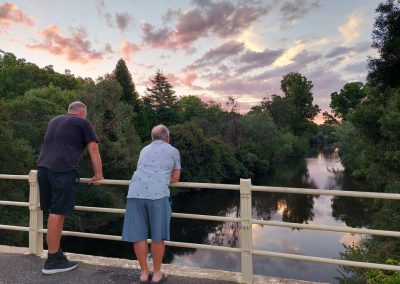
157,251
55,224
140,248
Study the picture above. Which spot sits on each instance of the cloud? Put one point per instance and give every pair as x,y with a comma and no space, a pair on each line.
252,59
245,86
123,20
247,91
293,10
350,30
338,51
108,48
359,67
218,54
153,38
222,19
101,7
325,83
171,14
363,46
359,48
188,78
10,14
172,79
298,47
145,66
75,47
299,63
128,49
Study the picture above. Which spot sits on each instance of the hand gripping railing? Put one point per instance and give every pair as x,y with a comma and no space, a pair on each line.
246,250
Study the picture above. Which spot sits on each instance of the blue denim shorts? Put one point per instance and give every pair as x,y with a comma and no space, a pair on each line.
146,218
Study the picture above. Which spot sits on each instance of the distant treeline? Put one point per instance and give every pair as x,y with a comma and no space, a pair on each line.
216,142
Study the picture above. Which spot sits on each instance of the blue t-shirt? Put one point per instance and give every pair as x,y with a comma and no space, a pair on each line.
66,137
153,174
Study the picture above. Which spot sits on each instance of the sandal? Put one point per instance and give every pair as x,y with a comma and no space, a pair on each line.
148,279
164,277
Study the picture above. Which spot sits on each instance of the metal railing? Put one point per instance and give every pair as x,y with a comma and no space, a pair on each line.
246,221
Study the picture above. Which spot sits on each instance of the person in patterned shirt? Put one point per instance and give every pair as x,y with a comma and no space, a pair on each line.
148,209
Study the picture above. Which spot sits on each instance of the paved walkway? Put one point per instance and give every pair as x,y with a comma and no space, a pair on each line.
16,266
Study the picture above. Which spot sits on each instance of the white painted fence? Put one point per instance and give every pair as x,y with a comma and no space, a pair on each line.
246,250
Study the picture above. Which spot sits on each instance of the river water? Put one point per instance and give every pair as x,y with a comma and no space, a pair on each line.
320,170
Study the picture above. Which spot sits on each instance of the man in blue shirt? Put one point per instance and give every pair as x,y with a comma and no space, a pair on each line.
148,209
66,137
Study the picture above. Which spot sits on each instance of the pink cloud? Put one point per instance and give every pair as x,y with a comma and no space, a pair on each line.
128,49
10,14
145,66
172,79
75,47
222,19
188,78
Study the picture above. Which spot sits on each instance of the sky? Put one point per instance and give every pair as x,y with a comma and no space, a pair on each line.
211,49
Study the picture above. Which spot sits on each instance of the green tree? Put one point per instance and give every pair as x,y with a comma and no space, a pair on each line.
295,110
162,100
31,113
191,108
204,159
282,111
230,131
124,78
386,39
347,99
371,141
18,76
329,119
297,89
113,120
16,153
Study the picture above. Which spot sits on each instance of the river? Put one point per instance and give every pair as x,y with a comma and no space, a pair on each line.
321,170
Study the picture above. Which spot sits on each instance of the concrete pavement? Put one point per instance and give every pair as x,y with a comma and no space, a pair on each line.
16,266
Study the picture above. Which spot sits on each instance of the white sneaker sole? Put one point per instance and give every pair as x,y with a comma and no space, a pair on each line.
54,271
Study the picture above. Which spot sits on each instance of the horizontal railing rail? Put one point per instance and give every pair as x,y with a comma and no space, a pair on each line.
246,250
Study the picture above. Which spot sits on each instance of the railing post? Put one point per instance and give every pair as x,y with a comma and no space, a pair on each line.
246,240
35,217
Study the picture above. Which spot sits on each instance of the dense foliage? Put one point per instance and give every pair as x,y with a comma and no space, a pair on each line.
216,142
369,143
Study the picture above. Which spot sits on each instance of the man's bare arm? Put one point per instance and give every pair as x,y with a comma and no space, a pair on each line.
175,175
97,165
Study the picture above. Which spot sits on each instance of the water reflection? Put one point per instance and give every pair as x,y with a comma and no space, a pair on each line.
322,171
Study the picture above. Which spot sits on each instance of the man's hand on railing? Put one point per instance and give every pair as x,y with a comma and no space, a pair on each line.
96,179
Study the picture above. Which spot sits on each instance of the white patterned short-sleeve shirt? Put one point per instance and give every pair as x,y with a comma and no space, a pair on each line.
153,174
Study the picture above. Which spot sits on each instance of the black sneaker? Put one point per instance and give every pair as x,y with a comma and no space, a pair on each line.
58,262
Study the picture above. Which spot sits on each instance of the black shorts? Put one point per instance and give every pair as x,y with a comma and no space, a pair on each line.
57,191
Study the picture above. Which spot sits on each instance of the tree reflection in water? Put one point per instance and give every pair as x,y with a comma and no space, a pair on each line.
322,171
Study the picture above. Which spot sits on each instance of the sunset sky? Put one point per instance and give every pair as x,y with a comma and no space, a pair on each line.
212,49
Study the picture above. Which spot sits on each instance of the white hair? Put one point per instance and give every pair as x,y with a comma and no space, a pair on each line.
160,131
76,106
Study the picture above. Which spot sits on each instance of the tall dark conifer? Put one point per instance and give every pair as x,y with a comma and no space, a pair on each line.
124,78
161,97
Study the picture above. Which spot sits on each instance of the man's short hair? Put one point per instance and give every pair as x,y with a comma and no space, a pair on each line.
76,106
158,132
